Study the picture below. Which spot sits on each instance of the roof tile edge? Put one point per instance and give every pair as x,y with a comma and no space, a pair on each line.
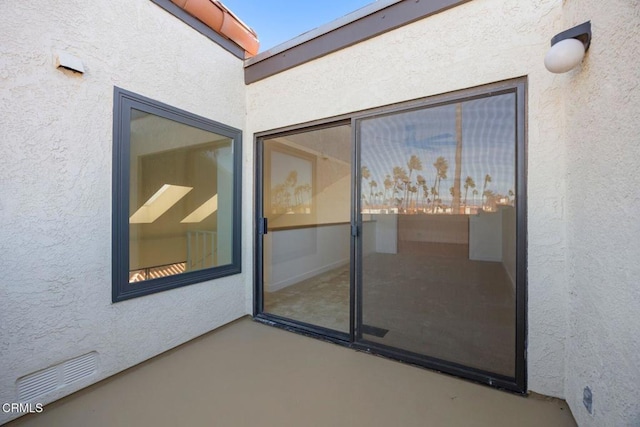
219,18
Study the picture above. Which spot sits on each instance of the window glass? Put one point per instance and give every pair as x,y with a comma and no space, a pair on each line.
307,200
181,183
440,185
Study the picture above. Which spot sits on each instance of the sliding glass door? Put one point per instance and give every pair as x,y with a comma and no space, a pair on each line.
402,231
438,211
306,255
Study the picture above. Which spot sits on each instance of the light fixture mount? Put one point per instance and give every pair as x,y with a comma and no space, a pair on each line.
568,48
581,32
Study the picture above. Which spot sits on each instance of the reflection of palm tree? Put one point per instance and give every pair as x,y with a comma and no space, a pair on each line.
413,190
452,191
278,198
372,184
292,179
468,183
475,193
422,183
414,163
399,176
366,174
388,183
303,195
441,166
455,204
425,197
290,182
434,195
297,193
281,193
487,178
512,196
405,185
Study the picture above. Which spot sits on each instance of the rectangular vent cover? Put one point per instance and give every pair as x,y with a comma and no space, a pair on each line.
50,379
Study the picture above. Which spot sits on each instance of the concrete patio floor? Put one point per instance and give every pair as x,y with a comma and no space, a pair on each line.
247,374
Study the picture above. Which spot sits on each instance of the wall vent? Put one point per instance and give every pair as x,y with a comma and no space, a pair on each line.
50,379
37,384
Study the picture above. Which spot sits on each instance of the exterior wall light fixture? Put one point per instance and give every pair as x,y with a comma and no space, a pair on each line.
568,48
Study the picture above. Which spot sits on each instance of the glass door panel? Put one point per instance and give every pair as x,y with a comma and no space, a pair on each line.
306,189
438,247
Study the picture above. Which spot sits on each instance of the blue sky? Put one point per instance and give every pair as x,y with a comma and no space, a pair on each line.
488,143
277,21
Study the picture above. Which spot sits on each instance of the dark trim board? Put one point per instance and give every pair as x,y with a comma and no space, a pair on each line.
304,328
522,260
352,32
297,227
200,27
461,371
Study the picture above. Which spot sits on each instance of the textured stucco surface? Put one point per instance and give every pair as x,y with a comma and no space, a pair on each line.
480,42
603,200
55,175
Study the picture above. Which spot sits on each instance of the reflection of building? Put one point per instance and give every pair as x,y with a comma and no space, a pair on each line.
58,185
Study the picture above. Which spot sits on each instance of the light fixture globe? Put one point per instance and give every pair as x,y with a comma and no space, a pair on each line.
568,48
564,55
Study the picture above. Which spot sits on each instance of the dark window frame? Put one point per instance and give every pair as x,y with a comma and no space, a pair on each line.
123,102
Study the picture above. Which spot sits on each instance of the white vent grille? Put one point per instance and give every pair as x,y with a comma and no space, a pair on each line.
37,384
45,381
78,368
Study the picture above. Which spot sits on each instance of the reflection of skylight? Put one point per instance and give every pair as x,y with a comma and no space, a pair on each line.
206,209
159,203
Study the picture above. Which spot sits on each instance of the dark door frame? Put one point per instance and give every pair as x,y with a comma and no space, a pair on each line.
354,339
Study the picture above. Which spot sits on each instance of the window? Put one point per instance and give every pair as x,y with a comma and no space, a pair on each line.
176,197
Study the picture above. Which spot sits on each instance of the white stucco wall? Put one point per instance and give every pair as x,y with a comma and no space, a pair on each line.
602,102
480,42
55,175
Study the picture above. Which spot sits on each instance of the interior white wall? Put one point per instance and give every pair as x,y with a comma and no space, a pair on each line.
291,256
371,237
479,42
485,236
56,171
603,186
386,232
294,255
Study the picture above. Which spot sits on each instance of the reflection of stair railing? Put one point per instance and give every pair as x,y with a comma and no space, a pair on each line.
156,271
201,249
